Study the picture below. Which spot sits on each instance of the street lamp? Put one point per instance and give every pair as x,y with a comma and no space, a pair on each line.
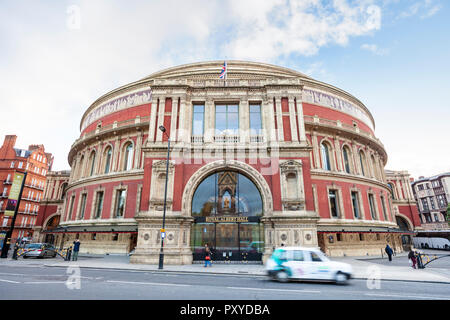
163,231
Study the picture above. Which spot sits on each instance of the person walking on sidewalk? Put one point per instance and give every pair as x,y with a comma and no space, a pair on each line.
76,248
207,256
412,257
389,251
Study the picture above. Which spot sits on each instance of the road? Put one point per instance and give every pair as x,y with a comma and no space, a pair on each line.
57,283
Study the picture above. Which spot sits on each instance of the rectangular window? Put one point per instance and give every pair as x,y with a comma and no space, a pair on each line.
425,204
255,119
20,165
372,207
99,204
227,119
432,203
83,205
115,237
355,203
198,120
12,164
120,203
333,199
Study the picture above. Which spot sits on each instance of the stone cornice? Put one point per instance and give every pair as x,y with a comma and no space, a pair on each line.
348,178
135,174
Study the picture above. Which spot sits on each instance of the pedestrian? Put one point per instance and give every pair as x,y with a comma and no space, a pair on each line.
76,248
389,251
412,257
207,256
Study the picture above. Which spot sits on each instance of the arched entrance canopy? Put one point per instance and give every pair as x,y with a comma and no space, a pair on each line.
227,205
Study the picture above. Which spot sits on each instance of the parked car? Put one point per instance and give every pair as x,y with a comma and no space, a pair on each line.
39,250
298,263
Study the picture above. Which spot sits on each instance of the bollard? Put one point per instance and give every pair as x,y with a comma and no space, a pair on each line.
16,248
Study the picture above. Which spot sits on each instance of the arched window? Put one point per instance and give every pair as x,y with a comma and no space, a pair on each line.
374,166
128,157
362,161
227,193
80,168
391,187
326,161
92,163
108,156
63,190
346,156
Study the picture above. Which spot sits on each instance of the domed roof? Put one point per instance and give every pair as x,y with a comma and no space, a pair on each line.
235,69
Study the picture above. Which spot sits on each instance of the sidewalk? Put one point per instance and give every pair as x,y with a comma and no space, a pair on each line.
363,268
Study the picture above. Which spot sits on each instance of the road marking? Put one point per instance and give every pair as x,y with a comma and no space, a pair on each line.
9,281
407,297
150,283
281,290
44,282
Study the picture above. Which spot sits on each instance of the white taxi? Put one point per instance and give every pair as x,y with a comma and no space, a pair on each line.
298,263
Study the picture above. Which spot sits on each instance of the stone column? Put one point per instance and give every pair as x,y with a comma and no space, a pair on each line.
269,116
162,110
338,152
292,118
137,153
279,119
152,121
301,120
244,121
356,159
399,189
173,123
115,159
208,121
315,145
182,126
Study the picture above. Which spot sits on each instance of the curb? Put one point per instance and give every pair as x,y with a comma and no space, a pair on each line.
238,274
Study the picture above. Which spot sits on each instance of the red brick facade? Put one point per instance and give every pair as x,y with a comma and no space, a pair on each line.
36,162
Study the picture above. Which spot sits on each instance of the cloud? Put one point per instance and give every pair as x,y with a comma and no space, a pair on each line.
301,28
424,9
57,59
374,49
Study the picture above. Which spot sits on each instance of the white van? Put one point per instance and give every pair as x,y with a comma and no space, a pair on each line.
298,263
431,243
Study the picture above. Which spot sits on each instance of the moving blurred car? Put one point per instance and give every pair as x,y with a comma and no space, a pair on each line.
39,250
298,263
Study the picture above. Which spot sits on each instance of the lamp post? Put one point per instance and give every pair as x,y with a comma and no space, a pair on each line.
163,231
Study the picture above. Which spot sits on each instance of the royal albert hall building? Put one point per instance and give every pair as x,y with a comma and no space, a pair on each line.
265,158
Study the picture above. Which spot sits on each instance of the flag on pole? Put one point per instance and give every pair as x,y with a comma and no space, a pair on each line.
223,73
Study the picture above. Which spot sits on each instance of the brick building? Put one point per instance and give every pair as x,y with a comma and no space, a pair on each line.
433,196
268,157
404,204
51,208
36,162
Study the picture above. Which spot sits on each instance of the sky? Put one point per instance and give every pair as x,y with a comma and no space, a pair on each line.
58,57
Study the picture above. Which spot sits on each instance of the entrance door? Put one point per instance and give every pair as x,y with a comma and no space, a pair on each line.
227,242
